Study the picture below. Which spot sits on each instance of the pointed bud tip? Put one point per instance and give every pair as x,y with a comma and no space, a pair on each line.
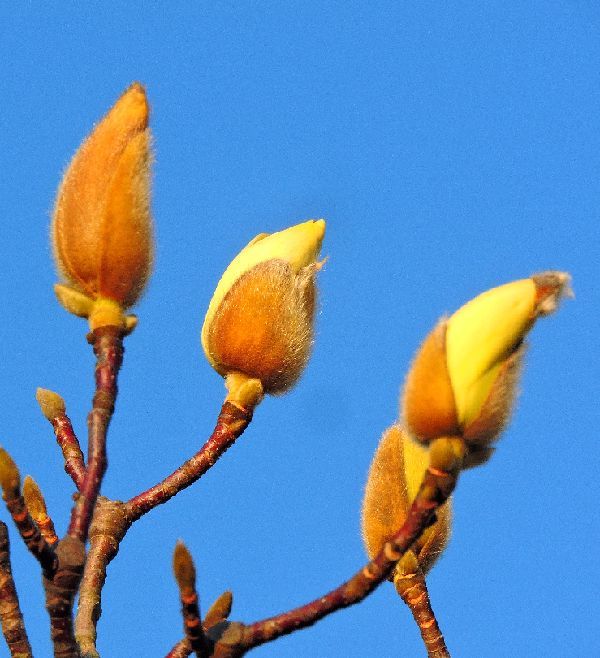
51,403
34,498
183,566
551,288
135,102
10,478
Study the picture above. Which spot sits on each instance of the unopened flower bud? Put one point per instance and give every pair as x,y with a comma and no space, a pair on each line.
102,228
259,322
10,478
462,381
394,479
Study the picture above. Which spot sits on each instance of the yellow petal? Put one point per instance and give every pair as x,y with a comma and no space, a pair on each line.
485,332
480,336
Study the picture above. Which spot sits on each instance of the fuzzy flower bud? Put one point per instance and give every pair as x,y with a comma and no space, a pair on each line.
102,228
394,479
259,322
462,381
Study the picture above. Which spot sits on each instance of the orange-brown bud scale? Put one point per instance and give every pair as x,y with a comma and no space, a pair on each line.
183,568
102,231
429,405
394,478
263,327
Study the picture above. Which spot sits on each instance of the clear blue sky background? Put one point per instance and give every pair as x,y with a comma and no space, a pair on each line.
451,147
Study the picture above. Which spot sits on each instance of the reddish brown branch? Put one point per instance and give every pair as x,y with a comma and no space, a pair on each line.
109,525
413,590
437,485
29,531
60,592
232,421
69,444
185,575
11,618
114,522
53,408
108,348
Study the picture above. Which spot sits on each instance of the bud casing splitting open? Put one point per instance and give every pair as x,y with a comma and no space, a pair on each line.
259,324
463,379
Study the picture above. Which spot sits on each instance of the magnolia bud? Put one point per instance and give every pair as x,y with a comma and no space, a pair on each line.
260,320
462,381
102,228
394,479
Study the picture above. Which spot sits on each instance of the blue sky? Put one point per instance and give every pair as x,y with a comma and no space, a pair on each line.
451,149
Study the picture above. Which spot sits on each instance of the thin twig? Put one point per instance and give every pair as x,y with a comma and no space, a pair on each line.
60,591
438,483
13,626
109,525
232,421
37,545
53,407
413,590
114,520
108,348
10,480
71,450
107,342
185,575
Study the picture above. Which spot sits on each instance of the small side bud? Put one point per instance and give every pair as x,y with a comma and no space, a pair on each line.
395,476
34,499
260,320
10,478
51,403
183,567
220,610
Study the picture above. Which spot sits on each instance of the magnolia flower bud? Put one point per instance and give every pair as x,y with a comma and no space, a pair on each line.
259,323
102,229
394,479
462,381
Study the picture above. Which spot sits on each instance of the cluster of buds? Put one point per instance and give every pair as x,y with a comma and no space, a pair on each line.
258,330
259,325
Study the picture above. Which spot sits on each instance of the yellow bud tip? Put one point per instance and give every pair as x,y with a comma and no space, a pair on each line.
484,334
183,567
34,499
51,403
10,478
